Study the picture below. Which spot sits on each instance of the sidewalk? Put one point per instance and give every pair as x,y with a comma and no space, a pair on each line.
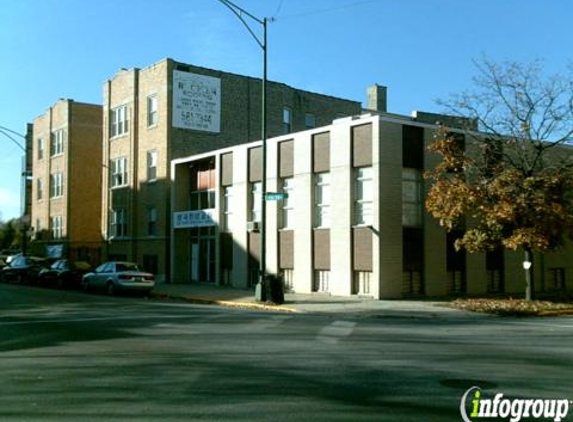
314,303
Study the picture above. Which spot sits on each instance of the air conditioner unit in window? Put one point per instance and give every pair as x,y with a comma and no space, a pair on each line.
253,226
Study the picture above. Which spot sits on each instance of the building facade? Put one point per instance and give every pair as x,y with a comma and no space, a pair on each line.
171,110
66,181
352,221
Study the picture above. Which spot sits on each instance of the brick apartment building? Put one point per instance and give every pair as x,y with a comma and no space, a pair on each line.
353,221
171,110
66,181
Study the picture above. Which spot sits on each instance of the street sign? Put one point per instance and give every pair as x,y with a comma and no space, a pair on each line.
276,196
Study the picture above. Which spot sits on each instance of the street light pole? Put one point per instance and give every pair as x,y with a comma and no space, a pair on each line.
260,291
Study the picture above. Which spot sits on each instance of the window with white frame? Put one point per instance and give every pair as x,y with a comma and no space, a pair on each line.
119,172
287,120
56,185
57,143
152,221
40,144
152,113
256,199
39,189
411,197
118,224
228,209
38,227
151,165
363,194
288,203
56,227
310,120
119,121
322,199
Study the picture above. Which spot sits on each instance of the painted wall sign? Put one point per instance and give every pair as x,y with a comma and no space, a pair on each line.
196,102
189,219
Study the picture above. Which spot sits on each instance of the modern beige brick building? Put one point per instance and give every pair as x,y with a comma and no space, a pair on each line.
353,222
66,180
171,110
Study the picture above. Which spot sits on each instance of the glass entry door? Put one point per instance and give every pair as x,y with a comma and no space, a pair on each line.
203,259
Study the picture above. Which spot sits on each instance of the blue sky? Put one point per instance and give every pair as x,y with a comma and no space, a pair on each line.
420,49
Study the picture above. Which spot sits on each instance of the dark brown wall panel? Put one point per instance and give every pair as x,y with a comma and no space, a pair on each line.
286,249
362,249
321,249
254,246
226,250
321,152
362,145
413,147
255,164
227,169
286,159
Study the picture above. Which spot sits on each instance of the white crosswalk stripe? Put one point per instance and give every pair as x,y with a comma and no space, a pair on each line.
336,331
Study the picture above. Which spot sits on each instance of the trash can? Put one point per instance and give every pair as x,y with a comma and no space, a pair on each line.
274,289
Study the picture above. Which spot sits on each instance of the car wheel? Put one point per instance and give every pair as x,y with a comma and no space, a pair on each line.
86,286
110,289
20,279
59,283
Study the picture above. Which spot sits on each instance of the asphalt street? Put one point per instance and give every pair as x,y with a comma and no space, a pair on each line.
67,356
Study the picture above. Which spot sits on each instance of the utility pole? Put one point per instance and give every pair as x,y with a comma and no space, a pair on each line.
242,14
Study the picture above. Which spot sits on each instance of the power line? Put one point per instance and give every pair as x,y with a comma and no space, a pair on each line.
12,131
274,16
3,131
325,10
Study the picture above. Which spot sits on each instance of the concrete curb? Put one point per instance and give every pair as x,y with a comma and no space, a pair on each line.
226,303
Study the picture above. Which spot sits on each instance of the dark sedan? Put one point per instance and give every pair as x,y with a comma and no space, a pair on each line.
64,273
23,269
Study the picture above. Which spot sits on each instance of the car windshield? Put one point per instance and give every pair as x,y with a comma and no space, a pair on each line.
125,266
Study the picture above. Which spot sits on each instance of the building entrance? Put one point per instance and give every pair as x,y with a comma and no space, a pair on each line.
203,259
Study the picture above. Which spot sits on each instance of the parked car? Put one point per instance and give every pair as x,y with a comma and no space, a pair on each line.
23,269
115,277
64,273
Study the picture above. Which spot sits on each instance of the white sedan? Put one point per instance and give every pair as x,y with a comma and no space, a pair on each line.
115,277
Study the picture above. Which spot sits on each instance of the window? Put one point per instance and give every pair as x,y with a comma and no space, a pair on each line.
152,221
256,199
151,165
40,144
362,282
39,189
322,200
288,203
38,225
363,193
228,209
152,115
321,281
56,185
411,197
57,143
119,172
119,121
310,120
56,227
287,120
119,222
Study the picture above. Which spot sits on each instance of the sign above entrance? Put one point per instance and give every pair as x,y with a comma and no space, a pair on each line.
196,102
190,219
